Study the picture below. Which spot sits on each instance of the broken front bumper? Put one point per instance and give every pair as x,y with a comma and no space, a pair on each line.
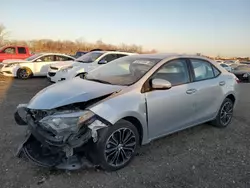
44,149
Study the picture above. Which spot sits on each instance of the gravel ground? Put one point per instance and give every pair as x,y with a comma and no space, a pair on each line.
202,156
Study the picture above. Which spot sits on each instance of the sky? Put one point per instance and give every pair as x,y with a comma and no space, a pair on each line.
210,27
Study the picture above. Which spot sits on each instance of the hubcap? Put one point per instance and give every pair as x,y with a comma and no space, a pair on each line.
226,113
24,73
119,147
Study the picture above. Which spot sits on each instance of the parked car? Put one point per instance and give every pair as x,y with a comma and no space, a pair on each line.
119,106
227,67
82,65
245,62
35,65
14,52
230,62
219,61
79,54
242,72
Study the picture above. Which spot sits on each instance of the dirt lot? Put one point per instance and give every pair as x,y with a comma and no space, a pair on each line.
203,156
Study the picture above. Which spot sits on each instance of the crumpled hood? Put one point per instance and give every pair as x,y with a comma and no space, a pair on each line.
64,64
8,61
69,92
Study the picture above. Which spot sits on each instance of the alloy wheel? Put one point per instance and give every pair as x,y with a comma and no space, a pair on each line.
24,73
120,147
226,113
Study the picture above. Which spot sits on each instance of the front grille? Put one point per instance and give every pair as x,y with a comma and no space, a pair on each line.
51,74
53,68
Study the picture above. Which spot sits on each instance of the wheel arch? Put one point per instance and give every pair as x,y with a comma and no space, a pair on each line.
24,67
138,126
231,97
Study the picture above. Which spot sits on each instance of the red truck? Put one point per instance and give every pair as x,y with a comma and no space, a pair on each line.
14,52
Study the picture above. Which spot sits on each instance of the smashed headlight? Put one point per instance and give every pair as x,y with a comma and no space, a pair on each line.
61,122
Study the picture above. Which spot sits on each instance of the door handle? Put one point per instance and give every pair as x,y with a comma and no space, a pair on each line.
191,91
222,83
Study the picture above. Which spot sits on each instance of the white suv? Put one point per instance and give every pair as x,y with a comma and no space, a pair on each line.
68,70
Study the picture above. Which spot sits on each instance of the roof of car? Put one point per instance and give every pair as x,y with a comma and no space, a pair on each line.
169,55
116,52
49,53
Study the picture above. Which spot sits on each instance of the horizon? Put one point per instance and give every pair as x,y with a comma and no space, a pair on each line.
208,27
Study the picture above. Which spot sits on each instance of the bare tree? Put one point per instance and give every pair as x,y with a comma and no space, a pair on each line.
3,35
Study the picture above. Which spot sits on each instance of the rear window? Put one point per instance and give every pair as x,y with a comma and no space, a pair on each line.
21,50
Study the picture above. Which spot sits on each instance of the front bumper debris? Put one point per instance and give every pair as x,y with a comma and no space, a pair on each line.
43,148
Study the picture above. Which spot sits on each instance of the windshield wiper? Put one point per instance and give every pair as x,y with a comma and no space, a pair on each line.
100,81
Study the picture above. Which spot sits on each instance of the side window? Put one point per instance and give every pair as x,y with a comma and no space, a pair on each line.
108,58
176,72
46,58
121,55
10,50
216,71
62,58
202,69
21,50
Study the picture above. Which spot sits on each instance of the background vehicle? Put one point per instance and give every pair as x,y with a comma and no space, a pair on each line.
35,65
14,52
121,105
219,61
242,72
230,62
227,67
79,54
82,65
245,62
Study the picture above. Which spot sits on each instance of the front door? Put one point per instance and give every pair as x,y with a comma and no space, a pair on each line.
173,109
42,64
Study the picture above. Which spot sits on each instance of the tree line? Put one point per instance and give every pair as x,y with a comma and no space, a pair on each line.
67,46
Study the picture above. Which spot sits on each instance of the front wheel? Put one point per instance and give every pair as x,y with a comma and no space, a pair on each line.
116,146
225,114
24,73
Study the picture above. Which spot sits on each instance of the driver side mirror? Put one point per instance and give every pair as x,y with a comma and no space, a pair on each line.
160,84
102,61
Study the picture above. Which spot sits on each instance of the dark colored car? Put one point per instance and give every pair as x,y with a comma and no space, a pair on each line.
242,72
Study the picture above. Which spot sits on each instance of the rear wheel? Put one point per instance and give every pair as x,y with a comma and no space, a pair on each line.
116,146
225,114
24,73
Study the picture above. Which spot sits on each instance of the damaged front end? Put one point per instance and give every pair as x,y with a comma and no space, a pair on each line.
59,138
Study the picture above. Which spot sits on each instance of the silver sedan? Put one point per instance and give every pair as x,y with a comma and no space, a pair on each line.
103,118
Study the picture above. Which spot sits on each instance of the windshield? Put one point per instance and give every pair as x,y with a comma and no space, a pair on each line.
122,71
33,57
89,57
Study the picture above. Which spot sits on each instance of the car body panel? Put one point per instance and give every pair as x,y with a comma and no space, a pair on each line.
70,92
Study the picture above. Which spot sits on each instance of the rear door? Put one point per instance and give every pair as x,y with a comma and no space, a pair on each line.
208,89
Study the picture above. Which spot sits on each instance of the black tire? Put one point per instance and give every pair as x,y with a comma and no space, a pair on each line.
104,150
224,116
24,73
82,75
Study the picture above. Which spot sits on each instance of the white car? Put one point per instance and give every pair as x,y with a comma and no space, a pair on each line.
68,70
219,61
35,65
227,67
